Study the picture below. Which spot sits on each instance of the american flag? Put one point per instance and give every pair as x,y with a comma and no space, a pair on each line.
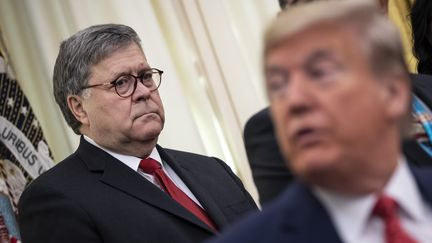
24,153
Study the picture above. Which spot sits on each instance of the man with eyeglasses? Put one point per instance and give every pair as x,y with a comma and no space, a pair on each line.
119,185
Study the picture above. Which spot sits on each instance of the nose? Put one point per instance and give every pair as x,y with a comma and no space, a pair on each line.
141,91
298,96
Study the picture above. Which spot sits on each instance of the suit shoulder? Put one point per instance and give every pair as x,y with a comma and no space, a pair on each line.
261,226
60,174
275,222
260,120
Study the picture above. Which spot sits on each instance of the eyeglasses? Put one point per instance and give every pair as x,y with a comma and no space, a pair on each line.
126,85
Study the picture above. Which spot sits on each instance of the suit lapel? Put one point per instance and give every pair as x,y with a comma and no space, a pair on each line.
189,177
304,214
120,177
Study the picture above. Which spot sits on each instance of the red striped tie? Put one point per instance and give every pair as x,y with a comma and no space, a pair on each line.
386,208
152,167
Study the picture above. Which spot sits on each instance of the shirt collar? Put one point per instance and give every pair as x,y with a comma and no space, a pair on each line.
403,188
351,214
348,213
131,161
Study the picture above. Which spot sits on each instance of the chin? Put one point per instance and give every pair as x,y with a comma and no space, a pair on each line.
312,165
148,125
152,133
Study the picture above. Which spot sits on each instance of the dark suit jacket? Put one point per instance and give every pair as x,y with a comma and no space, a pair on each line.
422,87
297,216
92,197
269,170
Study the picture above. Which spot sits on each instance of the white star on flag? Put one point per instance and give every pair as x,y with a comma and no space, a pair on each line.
24,110
10,102
35,123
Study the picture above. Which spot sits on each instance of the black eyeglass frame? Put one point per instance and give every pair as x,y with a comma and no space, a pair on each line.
112,83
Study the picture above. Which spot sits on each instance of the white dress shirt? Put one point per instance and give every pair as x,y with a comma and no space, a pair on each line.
353,219
133,163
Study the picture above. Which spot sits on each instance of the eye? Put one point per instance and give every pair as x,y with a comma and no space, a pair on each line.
276,84
123,81
276,81
323,71
317,72
146,75
147,79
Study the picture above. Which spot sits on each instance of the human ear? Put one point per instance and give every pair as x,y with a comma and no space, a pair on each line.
398,96
384,6
75,104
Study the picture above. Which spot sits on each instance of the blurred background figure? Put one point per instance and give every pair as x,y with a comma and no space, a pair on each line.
270,174
421,21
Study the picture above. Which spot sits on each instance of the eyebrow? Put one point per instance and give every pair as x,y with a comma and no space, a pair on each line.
274,69
317,56
122,73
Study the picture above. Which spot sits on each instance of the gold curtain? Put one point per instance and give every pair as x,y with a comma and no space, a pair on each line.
399,11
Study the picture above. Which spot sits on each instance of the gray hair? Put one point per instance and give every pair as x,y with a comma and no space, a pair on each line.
79,53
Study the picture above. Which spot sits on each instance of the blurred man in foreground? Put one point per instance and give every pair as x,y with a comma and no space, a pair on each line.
270,174
340,95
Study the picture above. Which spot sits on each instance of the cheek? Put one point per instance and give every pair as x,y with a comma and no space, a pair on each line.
113,111
157,100
277,114
280,122
161,109
355,117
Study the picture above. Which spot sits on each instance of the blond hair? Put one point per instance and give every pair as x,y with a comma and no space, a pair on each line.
378,38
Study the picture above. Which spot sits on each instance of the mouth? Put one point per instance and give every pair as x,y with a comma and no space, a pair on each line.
306,137
147,115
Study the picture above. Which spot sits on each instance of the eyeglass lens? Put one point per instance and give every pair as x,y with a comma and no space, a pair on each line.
126,84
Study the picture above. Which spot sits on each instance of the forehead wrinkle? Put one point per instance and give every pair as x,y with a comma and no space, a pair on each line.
142,67
318,55
311,58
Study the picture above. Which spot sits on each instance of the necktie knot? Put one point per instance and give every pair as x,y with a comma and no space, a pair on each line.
149,165
385,207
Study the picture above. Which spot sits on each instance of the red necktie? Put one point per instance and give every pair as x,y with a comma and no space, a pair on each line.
386,208
151,166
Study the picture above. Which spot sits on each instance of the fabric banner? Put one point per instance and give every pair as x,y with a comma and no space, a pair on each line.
24,153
